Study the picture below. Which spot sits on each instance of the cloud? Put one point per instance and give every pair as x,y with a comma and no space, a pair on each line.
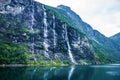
118,26
103,15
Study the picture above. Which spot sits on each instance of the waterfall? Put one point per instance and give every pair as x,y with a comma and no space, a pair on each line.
54,32
45,34
71,72
68,44
33,40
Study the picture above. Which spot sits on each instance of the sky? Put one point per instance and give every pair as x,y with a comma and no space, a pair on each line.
102,15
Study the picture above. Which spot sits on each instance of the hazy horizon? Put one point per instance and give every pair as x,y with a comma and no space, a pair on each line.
102,15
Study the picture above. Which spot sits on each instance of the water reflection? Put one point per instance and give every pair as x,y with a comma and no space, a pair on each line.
60,73
113,73
71,72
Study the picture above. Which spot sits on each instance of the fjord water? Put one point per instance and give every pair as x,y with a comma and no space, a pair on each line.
91,72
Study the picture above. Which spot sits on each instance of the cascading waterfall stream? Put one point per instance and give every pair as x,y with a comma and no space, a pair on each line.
45,34
54,32
54,35
68,44
33,40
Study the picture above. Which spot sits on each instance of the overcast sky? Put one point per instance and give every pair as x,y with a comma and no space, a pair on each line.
103,15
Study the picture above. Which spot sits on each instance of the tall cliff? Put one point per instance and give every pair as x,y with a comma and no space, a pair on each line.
33,33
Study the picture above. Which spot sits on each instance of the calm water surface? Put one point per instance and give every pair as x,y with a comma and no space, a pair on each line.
91,72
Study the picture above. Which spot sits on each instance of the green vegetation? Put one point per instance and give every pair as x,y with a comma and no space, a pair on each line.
84,61
12,53
49,63
45,62
102,55
18,54
26,30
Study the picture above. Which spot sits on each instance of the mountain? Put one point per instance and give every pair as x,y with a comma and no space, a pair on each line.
33,33
116,38
106,49
36,34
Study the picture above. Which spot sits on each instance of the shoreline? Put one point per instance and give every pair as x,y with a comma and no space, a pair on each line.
12,65
25,65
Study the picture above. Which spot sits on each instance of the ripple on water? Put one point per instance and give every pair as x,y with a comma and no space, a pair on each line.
113,73
115,64
106,66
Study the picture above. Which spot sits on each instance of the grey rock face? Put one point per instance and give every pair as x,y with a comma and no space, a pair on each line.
30,23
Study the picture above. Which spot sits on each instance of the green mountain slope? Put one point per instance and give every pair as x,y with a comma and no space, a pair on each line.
106,49
116,38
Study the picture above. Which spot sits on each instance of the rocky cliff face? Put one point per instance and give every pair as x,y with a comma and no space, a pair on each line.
31,24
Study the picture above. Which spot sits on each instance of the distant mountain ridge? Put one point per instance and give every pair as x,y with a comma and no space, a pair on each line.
108,47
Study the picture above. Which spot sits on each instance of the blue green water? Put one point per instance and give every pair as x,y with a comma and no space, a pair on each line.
91,72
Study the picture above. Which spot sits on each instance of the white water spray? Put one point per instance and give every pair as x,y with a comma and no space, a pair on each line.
54,32
45,34
33,40
68,44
